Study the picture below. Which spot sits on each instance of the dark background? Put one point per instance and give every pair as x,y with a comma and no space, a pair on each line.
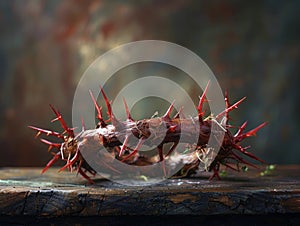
251,46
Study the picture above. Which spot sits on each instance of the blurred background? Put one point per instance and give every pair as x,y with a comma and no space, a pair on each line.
251,46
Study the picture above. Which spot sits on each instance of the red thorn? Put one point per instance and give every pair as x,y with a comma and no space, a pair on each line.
201,101
47,132
138,146
124,145
172,129
234,106
51,162
227,104
85,176
226,99
113,119
108,105
160,152
242,150
82,124
167,117
51,145
178,113
71,162
241,129
99,110
62,122
127,111
79,166
229,166
240,159
172,148
215,174
251,132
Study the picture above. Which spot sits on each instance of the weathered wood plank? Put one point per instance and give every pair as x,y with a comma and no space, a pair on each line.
23,191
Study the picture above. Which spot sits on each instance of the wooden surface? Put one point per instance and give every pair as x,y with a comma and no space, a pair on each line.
25,192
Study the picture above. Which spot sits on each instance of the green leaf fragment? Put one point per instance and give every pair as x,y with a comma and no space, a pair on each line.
223,173
244,168
143,177
268,170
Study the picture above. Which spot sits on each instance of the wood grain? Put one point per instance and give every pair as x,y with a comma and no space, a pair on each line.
25,192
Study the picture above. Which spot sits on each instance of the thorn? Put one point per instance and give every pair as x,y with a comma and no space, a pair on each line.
234,106
201,101
215,174
167,117
178,113
47,132
138,146
51,145
241,149
227,104
51,162
238,158
226,99
99,110
241,129
109,111
71,162
127,111
82,124
113,119
37,134
124,145
250,133
62,122
229,166
160,152
85,176
172,148
172,129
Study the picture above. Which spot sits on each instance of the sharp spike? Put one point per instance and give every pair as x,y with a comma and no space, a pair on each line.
79,166
47,132
229,166
51,144
124,145
215,173
108,105
250,133
227,104
201,102
172,148
82,124
234,106
172,129
111,115
99,110
71,162
138,146
62,122
178,113
241,129
51,162
85,176
160,152
242,150
167,117
128,115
